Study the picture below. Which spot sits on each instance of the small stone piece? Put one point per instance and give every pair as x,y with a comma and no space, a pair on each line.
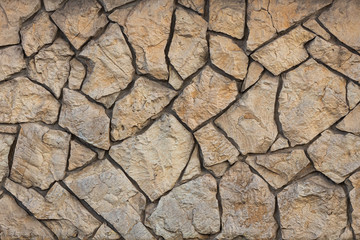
52,5
77,74
5,144
354,199
351,123
280,143
248,205
208,94
85,119
314,26
253,75
174,79
120,15
134,111
353,94
193,168
189,211
79,155
12,61
219,169
111,4
313,208
196,5
105,232
188,50
249,123
9,128
79,20
155,158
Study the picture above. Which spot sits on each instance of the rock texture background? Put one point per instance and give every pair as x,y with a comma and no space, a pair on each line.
179,119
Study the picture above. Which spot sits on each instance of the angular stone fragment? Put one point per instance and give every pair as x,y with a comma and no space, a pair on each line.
77,74
149,42
85,119
228,56
196,5
79,155
155,158
9,128
111,194
354,199
39,32
40,156
335,155
189,211
248,205
193,168
188,50
132,112
284,52
314,26
280,143
120,15
250,121
351,123
105,232
5,144
111,4
51,66
253,75
174,79
218,169
208,94
12,61
313,208
311,100
227,17
52,5
353,94
79,20
24,101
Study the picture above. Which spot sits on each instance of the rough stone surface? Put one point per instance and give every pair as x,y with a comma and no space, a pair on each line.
111,4
105,232
353,94
79,155
52,5
77,74
196,5
174,79
315,27
9,128
193,168
5,144
12,61
120,15
253,75
280,143
351,123
218,169
354,199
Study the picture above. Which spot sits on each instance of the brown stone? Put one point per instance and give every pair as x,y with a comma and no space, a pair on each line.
353,94
351,123
253,75
79,155
9,128
77,74
196,5
218,170
315,27
280,143
174,79
6,142
52,5
111,4
121,14
12,61
354,200
193,168
105,232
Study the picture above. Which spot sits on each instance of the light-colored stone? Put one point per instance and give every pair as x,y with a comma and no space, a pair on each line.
111,4
280,143
52,5
135,110
79,155
253,75
51,66
193,168
77,74
24,101
196,5
312,98
120,15
6,142
79,20
335,155
149,42
219,169
284,52
347,234
174,79
250,120
314,26
155,158
228,56
12,61
188,50
189,211
248,205
208,94
279,168
353,94
9,128
351,123
354,200
40,156
227,17
105,232
313,208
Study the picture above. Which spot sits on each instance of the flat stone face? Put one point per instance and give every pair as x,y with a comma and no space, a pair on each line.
193,168
79,20
253,75
353,94
312,98
105,232
174,79
250,120
79,155
155,158
5,144
40,156
134,111
248,205
52,5
77,74
208,94
313,208
354,199
111,4
351,122
314,26
196,5
189,211
85,119
12,61
280,143
120,15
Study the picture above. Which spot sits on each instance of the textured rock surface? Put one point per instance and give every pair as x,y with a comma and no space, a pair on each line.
52,5
5,144
354,199
280,143
12,61
111,4
9,128
105,232
353,94
120,15
77,74
315,27
193,168
196,5
351,122
79,155
174,79
253,75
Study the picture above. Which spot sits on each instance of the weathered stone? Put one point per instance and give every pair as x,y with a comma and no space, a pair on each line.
279,168
52,5
248,205
188,50
284,52
149,42
9,128
313,208
253,75
174,79
85,119
280,143
51,66
351,123
110,193
353,94
111,4
250,121
354,199
12,61
105,232
189,211
227,17
155,158
335,155
196,5
77,74
311,100
218,169
5,144
40,156
121,14
24,101
228,56
347,234
314,26
79,155
193,168
36,34
134,111
79,20
208,94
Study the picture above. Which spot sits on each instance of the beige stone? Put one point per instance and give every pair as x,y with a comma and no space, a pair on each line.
228,56
111,4
79,155
51,66
354,200
253,75
312,208
12,61
250,120
315,27
105,232
208,94
135,110
218,170
120,15
280,143
196,5
77,74
9,128
85,119
193,168
248,205
24,101
155,158
52,5
40,156
188,50
79,20
6,142
311,100
353,94
351,123
189,211
174,79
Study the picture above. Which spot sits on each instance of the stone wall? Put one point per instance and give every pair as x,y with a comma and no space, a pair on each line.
185,119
